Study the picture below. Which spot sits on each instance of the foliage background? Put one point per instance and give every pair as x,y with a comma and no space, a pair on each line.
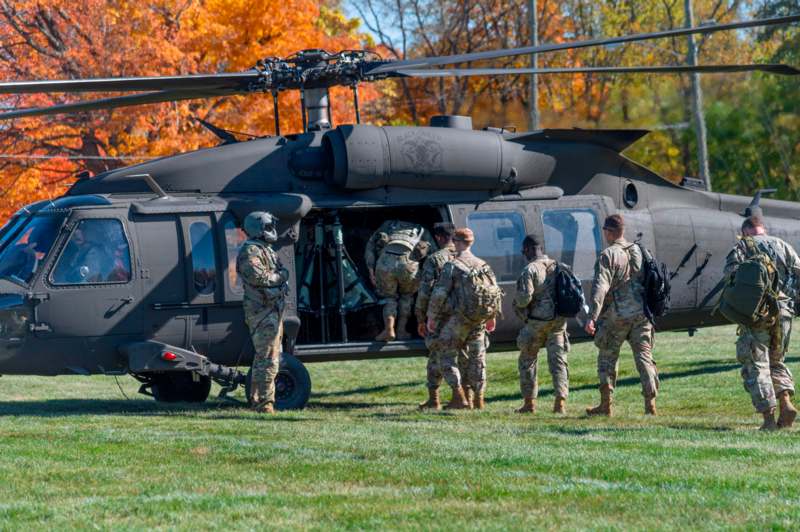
752,119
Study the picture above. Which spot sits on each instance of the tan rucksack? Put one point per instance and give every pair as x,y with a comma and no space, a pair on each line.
480,298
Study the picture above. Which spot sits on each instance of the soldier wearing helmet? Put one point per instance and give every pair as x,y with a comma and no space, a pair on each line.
265,282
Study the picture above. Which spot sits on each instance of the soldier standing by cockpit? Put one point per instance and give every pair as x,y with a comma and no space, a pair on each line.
265,288
393,255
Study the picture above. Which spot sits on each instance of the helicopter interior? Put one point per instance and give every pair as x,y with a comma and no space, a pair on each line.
334,310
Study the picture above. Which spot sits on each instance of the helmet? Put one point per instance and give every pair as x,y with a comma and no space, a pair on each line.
261,225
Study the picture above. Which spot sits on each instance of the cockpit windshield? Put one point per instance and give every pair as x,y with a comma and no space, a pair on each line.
23,253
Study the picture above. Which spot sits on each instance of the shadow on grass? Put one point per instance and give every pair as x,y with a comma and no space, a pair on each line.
709,368
81,407
352,405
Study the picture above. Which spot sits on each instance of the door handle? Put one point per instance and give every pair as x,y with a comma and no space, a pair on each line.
129,299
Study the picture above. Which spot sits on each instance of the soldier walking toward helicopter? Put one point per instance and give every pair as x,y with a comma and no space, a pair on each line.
617,315
431,271
265,282
535,305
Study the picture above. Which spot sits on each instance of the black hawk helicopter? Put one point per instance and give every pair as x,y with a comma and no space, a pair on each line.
133,271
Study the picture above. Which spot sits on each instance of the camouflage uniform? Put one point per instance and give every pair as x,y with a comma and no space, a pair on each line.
457,336
534,304
762,350
393,252
431,271
618,309
265,289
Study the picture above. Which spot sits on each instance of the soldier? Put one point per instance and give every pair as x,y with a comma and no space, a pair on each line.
535,305
432,269
454,322
762,349
617,315
265,288
393,255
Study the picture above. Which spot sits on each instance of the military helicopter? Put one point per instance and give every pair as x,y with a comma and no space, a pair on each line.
133,271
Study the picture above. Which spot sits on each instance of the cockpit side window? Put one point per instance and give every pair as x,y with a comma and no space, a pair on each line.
97,253
234,238
27,246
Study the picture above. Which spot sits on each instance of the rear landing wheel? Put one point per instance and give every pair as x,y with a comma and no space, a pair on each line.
180,387
292,384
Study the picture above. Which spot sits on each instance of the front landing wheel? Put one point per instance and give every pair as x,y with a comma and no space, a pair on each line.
292,384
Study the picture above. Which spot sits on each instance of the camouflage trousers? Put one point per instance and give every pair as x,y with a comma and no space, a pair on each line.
533,337
397,280
612,332
461,346
764,372
266,331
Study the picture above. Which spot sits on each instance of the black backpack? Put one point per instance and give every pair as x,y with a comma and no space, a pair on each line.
655,284
569,298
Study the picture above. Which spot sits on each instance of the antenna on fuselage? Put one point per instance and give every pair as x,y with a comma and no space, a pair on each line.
754,209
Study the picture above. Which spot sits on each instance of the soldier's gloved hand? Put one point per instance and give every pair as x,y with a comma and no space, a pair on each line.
431,325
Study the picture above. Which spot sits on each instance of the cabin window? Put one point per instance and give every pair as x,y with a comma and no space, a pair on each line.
97,253
498,241
630,195
234,238
204,269
572,236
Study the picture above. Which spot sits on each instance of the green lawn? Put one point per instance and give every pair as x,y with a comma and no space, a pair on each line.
74,453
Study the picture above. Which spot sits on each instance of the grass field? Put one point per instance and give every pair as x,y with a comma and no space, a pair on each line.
75,454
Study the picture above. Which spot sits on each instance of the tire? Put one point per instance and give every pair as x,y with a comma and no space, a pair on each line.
180,387
292,384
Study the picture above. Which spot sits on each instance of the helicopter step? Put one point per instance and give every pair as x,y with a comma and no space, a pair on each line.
173,374
361,350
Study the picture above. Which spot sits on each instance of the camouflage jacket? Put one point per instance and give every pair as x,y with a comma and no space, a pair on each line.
786,262
617,281
536,287
263,276
447,292
399,236
431,271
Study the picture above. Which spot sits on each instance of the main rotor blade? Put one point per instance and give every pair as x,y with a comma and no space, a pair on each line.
160,83
111,103
399,66
784,70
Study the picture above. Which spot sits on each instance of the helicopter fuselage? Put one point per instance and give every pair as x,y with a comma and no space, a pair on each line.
163,266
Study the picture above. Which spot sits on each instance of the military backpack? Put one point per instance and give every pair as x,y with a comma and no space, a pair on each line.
481,299
569,299
749,297
655,286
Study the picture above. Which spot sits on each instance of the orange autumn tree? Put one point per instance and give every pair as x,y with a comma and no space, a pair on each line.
52,39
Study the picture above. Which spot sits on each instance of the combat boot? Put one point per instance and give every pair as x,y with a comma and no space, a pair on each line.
265,408
769,420
605,407
387,335
468,395
478,402
650,406
433,402
788,411
559,405
458,402
402,334
528,405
